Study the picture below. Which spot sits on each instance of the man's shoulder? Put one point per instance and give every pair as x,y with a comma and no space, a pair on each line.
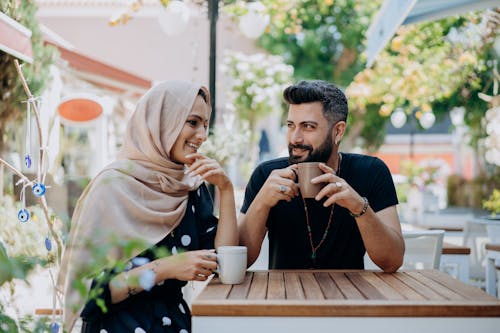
361,159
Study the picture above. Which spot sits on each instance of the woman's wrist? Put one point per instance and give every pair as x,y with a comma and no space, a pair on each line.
226,186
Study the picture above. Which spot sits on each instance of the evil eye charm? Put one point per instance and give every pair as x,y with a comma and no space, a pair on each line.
27,161
38,189
54,327
23,215
48,243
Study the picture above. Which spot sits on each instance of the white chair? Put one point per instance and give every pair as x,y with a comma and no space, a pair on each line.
423,250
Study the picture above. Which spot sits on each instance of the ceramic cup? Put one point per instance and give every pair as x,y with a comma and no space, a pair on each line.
305,172
232,262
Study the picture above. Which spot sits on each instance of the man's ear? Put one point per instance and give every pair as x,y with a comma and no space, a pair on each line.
338,131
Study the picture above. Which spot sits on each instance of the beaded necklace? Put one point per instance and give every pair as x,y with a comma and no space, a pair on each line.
314,249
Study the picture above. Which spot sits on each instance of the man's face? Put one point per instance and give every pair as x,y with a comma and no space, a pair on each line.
309,135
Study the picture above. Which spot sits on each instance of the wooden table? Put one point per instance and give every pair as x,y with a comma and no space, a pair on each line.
345,301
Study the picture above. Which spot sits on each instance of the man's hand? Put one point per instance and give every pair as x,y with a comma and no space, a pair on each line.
337,190
280,185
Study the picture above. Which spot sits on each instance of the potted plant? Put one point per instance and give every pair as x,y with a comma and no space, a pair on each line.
492,204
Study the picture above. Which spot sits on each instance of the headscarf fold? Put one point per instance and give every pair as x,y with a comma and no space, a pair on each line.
140,196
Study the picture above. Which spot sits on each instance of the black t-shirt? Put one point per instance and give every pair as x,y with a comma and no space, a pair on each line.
343,248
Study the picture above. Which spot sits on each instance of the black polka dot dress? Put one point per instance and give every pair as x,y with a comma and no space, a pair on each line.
161,309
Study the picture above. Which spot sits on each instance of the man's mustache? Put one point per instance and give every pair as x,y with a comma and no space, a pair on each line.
304,147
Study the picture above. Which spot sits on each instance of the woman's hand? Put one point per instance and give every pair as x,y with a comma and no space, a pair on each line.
191,265
209,170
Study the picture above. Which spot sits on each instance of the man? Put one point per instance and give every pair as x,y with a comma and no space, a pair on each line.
355,211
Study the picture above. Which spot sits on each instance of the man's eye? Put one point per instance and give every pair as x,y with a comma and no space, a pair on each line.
308,126
289,125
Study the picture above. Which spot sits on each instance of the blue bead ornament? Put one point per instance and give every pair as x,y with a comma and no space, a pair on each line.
38,189
48,243
27,160
23,215
54,327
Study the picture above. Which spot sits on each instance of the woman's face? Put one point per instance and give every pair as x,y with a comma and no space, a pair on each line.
193,134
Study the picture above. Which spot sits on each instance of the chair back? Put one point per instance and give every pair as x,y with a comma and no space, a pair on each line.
423,249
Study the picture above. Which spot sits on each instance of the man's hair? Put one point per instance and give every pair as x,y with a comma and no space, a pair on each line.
333,99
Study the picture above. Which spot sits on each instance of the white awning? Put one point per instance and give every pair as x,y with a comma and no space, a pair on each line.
395,13
15,39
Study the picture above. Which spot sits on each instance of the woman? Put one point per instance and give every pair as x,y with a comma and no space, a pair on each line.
154,197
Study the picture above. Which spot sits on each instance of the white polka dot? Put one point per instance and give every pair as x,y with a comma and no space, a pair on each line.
166,321
198,191
181,308
174,250
186,240
160,283
210,229
193,209
183,331
103,331
139,330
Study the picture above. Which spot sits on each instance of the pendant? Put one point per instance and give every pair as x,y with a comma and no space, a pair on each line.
313,255
23,215
38,189
27,161
48,243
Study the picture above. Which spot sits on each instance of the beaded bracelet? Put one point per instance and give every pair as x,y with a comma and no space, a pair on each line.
365,208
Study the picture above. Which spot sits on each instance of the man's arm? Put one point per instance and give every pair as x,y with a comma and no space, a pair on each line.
280,185
381,233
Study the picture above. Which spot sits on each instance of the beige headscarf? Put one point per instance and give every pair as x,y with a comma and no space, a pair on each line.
140,196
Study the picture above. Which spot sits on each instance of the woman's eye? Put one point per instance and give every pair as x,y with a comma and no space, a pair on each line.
192,122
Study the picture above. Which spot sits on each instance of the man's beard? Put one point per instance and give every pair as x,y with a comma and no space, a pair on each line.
322,154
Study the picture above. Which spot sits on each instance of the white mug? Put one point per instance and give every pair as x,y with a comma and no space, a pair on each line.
232,262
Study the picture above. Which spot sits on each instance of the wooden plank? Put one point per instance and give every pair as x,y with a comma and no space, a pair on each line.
328,287
457,286
364,286
420,288
346,287
311,287
293,287
47,312
215,290
240,291
258,288
401,288
493,247
346,308
437,287
382,286
449,248
276,289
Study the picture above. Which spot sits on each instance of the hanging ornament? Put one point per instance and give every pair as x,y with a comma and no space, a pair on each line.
48,243
27,156
23,215
27,161
54,327
38,189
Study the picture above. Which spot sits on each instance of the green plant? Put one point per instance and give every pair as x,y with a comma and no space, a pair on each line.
12,94
256,83
493,203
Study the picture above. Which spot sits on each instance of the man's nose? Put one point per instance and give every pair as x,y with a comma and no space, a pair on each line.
296,136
